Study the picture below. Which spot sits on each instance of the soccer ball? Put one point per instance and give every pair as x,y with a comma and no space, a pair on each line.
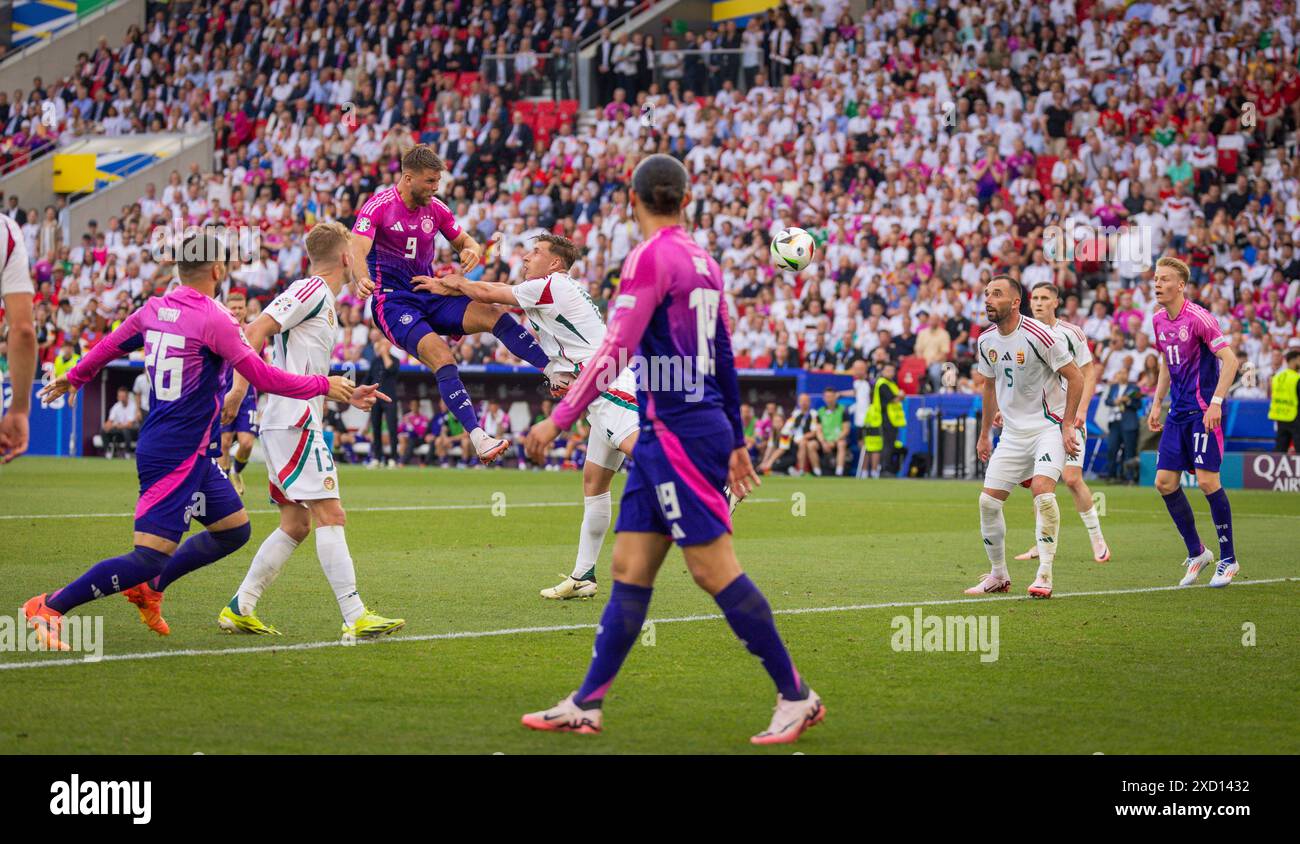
792,249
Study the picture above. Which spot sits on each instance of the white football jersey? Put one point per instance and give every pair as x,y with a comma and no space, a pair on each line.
1076,344
568,324
305,312
569,327
15,277
1023,366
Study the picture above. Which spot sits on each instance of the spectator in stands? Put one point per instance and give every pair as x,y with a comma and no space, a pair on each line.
122,425
413,432
830,434
383,367
934,345
1123,399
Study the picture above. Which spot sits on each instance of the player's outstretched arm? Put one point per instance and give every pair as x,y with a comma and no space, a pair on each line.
125,339
223,336
634,307
261,330
457,285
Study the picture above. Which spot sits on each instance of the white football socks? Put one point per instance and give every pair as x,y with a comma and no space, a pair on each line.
595,524
1092,523
336,560
1047,522
993,526
267,563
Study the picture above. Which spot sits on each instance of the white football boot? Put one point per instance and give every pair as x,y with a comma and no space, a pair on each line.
1224,573
988,584
566,717
1195,564
571,587
791,718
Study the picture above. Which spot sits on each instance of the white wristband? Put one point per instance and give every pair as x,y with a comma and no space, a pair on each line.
1217,400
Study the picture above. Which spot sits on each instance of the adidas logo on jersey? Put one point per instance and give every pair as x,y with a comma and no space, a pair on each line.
1006,356
1046,458
397,227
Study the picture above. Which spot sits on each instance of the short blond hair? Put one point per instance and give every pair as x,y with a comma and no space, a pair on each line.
325,241
1177,266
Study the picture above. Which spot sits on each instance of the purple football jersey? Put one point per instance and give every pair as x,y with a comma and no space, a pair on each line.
669,311
405,240
1189,343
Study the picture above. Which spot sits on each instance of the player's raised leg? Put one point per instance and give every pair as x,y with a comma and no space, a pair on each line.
45,612
433,351
481,317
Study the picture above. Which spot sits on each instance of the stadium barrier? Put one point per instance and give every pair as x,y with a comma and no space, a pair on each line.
57,430
1265,470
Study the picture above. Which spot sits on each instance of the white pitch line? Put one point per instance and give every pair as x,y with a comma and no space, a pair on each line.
400,509
516,631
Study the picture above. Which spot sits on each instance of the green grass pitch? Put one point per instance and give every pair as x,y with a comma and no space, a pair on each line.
1118,671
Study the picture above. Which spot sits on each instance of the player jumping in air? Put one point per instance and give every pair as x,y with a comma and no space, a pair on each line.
1043,302
570,329
1196,368
1030,377
242,426
670,311
394,239
189,341
303,480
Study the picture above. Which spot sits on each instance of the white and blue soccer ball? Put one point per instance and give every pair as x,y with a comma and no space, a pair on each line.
792,249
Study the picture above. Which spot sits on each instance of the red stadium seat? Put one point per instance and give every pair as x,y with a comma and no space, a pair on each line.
911,374
1043,172
568,108
547,122
1228,162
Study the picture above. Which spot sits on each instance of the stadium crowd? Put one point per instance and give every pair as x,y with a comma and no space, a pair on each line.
926,147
